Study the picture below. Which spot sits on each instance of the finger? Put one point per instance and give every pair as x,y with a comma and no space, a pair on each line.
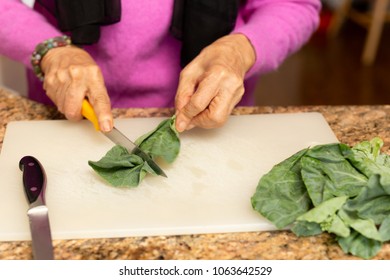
215,115
186,88
183,95
71,92
51,87
219,110
99,99
201,99
102,107
73,98
198,102
182,99
60,98
56,85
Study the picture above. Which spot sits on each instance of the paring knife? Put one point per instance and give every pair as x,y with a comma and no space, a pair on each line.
119,138
34,182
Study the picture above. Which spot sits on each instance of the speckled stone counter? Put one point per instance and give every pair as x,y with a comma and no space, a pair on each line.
351,124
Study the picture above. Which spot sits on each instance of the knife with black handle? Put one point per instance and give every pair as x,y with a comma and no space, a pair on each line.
34,183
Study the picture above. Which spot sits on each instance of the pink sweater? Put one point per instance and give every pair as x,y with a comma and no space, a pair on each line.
140,59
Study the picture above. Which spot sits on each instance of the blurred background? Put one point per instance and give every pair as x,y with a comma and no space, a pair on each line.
346,62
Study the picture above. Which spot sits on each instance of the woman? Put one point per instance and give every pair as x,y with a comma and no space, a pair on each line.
136,61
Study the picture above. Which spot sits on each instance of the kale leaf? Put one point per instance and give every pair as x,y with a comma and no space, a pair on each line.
162,142
281,195
342,190
123,169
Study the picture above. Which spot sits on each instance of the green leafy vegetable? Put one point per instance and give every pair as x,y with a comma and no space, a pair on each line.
331,188
326,173
323,211
338,227
120,168
325,216
365,227
372,203
303,228
123,169
359,245
162,142
384,229
366,157
283,197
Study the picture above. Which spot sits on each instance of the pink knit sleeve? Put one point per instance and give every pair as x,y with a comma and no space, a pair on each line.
276,29
21,30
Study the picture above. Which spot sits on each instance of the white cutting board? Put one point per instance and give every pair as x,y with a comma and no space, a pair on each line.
208,188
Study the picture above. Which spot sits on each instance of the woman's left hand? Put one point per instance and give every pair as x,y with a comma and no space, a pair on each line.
212,84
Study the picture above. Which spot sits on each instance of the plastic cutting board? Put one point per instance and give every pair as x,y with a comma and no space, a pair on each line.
208,188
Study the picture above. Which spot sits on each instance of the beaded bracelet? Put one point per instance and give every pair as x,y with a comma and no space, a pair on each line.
42,49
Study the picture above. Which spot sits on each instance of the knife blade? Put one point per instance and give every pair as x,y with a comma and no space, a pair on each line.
119,138
34,183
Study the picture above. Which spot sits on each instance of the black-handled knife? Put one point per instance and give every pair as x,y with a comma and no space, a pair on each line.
34,182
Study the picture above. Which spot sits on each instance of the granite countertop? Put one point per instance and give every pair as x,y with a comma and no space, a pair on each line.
351,124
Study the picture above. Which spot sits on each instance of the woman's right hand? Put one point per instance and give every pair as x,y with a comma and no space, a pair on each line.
71,75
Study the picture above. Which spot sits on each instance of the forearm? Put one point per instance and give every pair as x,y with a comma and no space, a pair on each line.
277,28
21,30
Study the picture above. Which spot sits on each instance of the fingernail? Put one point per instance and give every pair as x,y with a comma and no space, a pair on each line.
105,126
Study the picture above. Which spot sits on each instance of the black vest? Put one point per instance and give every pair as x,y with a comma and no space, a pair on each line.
197,23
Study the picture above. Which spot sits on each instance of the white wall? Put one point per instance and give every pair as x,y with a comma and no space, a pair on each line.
12,73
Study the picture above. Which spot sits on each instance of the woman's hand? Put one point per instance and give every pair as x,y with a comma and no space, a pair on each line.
72,75
213,83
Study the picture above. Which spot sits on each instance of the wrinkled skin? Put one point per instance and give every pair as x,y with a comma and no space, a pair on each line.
71,74
213,83
209,87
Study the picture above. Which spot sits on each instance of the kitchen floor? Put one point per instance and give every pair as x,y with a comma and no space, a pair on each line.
328,72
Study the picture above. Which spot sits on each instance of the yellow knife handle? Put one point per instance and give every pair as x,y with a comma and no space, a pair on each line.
88,112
